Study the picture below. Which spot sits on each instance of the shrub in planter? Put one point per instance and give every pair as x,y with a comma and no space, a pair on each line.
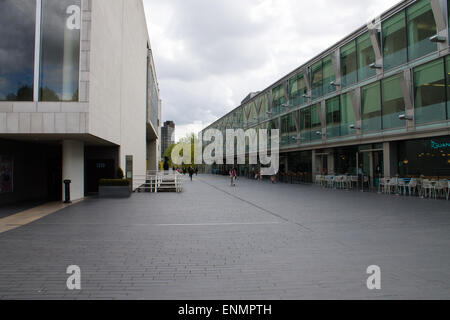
120,174
114,188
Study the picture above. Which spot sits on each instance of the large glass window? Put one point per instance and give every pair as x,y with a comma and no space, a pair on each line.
394,41
348,64
421,26
333,117
317,80
253,117
371,107
246,109
297,88
429,92
60,50
316,124
429,157
17,32
305,125
288,129
279,100
328,75
264,107
393,102
345,160
366,56
347,114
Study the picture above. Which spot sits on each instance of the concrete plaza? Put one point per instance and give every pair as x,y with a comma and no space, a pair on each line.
255,241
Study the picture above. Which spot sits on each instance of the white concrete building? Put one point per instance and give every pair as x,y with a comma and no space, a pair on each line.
78,96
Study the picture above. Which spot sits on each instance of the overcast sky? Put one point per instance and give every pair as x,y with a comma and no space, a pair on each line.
210,54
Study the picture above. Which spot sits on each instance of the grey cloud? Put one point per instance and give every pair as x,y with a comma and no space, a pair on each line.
211,54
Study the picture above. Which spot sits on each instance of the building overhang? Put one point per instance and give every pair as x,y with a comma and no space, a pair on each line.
88,139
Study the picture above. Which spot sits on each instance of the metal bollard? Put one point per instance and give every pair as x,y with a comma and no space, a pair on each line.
67,191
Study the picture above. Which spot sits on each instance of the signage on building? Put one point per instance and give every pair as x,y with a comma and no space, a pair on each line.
439,145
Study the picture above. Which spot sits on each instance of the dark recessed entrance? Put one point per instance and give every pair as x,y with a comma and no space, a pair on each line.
101,163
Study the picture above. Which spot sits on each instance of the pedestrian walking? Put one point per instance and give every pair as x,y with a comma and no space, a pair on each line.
233,176
273,177
191,172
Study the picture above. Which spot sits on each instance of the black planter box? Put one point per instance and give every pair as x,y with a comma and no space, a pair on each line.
114,192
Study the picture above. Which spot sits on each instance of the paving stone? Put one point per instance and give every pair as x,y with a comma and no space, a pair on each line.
255,241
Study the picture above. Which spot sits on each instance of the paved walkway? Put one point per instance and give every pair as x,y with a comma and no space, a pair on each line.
29,215
11,209
255,241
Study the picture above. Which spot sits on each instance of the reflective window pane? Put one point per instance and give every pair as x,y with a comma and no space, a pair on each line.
279,100
316,124
305,125
394,41
371,107
17,30
297,88
333,117
347,114
288,129
263,102
366,56
421,26
393,102
348,64
317,80
328,76
60,50
253,116
429,92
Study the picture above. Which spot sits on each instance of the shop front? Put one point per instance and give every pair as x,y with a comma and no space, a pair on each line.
365,161
429,157
297,167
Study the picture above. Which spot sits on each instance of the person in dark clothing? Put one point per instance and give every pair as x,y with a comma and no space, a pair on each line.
196,171
191,172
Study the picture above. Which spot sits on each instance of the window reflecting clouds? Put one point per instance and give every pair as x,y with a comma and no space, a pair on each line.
60,50
17,29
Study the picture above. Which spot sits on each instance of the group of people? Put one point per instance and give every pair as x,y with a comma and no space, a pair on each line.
191,171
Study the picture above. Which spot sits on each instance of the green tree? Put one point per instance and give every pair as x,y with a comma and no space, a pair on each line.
189,143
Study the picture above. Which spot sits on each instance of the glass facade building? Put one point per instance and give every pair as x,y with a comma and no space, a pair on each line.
386,83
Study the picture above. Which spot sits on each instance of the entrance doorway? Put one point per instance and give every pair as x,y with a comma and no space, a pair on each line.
371,167
98,169
322,163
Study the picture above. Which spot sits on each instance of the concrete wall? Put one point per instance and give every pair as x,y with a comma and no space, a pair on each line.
43,117
118,70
